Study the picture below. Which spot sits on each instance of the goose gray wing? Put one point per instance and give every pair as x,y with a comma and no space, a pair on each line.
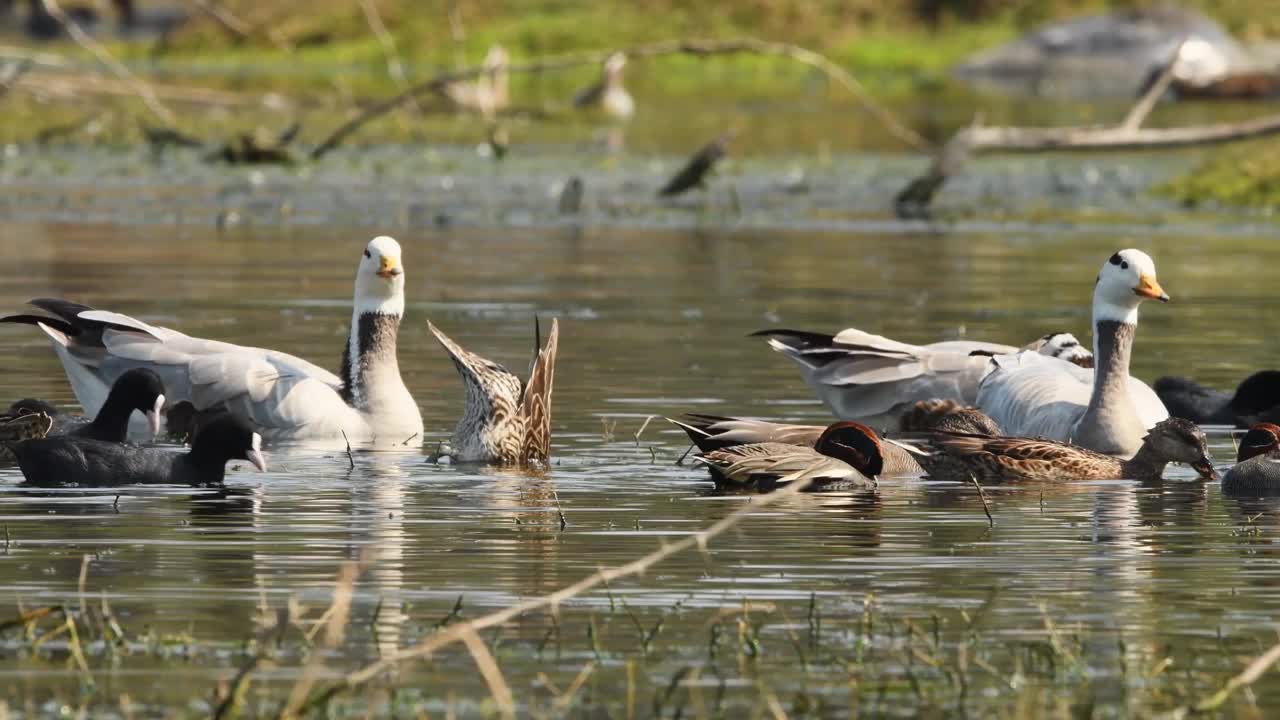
283,395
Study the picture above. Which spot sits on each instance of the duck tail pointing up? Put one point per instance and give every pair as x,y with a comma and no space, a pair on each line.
535,402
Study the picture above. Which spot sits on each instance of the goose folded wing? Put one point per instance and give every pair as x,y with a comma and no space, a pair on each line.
272,389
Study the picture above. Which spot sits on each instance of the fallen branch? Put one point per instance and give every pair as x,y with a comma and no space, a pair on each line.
77,87
81,38
698,48
460,631
976,138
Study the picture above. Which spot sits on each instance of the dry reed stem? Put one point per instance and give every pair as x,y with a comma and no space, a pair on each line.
698,48
456,632
1247,677
81,38
395,69
1147,102
335,621
491,673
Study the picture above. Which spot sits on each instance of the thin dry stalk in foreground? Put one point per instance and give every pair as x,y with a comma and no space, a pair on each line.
697,48
460,631
1250,675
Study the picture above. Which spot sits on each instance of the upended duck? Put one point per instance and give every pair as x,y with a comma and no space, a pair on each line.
138,390
715,432
1103,409
70,460
1256,400
873,379
846,455
960,457
282,395
1257,469
505,421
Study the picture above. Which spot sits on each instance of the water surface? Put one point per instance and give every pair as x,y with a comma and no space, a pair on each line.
1109,597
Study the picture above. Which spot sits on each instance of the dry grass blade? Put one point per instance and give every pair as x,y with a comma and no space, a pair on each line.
389,50
455,633
334,623
491,673
1247,677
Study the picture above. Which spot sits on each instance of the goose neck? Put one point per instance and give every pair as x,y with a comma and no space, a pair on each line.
1112,346
369,363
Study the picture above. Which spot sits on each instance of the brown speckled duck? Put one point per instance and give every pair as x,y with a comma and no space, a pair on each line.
505,422
1257,468
960,457
16,427
846,455
953,416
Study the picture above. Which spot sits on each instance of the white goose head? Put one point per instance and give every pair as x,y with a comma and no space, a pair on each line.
1126,279
380,279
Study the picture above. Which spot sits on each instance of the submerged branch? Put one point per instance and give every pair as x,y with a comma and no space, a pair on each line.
697,48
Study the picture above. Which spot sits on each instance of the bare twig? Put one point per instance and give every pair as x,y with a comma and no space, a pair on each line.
81,38
10,73
351,460
230,24
1147,102
389,50
983,497
699,48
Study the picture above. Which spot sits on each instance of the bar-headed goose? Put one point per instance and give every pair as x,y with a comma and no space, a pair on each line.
282,395
1102,409
505,421
872,379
